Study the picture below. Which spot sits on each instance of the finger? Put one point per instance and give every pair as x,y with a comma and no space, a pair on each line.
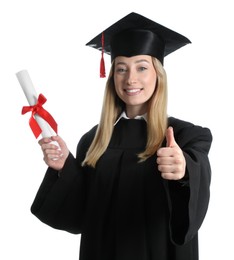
52,149
62,145
44,140
171,168
165,168
54,162
165,152
167,160
170,137
49,147
171,176
52,155
60,142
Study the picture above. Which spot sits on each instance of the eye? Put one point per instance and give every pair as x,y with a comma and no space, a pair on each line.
121,70
142,68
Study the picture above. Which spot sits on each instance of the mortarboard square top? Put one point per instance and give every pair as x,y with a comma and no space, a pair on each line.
135,34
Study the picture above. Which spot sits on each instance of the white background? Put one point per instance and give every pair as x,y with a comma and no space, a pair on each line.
47,38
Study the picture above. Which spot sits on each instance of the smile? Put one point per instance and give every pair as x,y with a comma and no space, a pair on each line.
133,91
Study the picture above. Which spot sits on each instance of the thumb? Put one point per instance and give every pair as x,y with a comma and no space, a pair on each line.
62,145
60,142
170,137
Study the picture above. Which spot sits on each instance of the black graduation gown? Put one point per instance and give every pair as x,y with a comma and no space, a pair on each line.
123,209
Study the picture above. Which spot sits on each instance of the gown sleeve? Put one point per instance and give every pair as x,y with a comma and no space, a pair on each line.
188,199
60,199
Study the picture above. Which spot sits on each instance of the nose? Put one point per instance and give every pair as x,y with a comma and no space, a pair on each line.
132,78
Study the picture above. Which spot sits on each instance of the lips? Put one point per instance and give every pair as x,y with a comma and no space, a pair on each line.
133,91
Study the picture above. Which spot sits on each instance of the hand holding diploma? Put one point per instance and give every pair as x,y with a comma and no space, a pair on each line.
54,157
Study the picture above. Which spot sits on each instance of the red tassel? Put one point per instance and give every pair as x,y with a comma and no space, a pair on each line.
102,63
102,68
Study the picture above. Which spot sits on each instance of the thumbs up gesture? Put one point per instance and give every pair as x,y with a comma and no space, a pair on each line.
170,159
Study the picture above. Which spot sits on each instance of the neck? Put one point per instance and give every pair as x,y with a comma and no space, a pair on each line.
133,111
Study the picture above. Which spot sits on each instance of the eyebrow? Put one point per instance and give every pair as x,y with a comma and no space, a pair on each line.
137,61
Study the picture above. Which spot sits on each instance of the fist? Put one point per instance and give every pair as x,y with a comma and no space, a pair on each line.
170,159
54,156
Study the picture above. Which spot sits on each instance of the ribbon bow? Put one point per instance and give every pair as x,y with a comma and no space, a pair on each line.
39,110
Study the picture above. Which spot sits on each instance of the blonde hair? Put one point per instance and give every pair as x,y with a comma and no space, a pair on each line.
113,106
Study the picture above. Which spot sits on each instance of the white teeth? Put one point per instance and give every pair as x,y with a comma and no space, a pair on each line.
132,90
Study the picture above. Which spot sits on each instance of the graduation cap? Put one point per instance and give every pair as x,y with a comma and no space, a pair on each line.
135,34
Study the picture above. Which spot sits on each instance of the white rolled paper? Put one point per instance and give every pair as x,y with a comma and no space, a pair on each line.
31,95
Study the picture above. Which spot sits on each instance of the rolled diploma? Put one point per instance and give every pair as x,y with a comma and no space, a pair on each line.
31,95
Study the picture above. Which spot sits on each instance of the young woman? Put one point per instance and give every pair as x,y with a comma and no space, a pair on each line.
138,187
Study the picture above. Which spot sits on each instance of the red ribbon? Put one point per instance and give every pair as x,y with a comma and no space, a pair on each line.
39,110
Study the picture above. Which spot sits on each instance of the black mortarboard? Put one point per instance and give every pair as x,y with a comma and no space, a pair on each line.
135,34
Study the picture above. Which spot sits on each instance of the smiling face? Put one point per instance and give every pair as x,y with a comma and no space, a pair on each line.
135,82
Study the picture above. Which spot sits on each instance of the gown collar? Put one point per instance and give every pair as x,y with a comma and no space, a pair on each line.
124,115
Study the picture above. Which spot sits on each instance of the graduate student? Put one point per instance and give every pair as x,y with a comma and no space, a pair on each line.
138,187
